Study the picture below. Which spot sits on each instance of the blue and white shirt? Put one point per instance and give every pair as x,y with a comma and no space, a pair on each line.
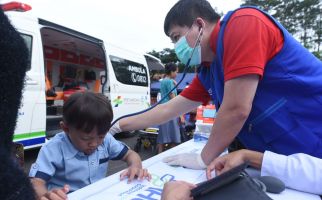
60,163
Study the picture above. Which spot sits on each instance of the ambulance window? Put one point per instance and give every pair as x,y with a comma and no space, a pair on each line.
28,41
129,72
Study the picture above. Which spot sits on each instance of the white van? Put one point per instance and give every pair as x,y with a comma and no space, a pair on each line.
64,61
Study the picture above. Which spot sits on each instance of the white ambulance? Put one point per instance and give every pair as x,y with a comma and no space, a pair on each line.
64,61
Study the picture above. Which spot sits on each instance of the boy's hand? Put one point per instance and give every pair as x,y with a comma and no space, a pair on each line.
133,172
56,194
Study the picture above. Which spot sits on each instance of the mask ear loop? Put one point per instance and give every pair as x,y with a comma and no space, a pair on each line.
196,44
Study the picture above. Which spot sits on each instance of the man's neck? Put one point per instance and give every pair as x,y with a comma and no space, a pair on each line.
208,55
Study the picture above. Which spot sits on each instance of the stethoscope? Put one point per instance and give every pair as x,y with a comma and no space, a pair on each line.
175,87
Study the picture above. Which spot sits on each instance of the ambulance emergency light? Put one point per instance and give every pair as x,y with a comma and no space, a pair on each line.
15,6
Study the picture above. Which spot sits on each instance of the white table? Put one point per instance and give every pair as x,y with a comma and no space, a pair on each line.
112,188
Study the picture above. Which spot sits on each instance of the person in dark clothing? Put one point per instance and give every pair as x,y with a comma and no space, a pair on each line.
14,184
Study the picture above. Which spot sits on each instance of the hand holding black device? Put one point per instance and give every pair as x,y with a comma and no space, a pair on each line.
233,184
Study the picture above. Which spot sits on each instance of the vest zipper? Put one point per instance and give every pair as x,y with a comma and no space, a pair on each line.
269,111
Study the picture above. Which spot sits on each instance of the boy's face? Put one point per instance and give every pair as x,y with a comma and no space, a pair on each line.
84,142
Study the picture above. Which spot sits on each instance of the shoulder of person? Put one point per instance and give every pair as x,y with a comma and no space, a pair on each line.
109,138
110,143
248,12
167,80
56,141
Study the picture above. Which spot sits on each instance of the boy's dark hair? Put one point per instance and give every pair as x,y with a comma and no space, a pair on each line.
14,184
170,67
87,110
184,12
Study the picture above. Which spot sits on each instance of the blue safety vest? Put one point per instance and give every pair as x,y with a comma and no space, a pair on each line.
286,115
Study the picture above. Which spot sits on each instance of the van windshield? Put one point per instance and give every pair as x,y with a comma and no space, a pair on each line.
129,72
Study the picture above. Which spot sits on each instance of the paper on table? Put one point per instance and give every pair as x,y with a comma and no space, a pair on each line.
111,188
161,173
294,195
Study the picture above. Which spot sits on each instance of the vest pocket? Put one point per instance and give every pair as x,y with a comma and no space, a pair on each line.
267,113
273,122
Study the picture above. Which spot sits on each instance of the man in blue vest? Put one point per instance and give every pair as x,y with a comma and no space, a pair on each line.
266,86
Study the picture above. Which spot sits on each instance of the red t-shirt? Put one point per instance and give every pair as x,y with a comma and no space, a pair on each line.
251,39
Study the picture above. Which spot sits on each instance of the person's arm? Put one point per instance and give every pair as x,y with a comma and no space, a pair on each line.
234,110
132,159
298,171
233,159
160,114
232,114
39,186
172,95
42,193
134,163
45,168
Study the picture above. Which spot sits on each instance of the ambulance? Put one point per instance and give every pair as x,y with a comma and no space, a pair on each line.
63,61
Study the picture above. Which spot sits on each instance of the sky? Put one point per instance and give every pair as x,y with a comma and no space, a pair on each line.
136,25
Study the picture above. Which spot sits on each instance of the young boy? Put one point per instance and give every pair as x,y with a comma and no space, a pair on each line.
79,155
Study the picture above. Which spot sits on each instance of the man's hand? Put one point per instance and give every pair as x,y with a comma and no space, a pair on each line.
177,190
188,160
133,172
56,194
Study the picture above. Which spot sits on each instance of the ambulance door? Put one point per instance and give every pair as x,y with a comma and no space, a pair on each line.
130,85
30,128
104,77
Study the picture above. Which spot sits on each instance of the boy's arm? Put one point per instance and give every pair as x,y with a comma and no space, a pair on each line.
132,159
134,169
40,188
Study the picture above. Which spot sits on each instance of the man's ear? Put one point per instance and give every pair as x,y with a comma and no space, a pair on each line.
64,127
200,23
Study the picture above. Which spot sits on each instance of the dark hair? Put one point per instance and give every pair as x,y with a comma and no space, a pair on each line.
184,12
170,67
87,110
14,62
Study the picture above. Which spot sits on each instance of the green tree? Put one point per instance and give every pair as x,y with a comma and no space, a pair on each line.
167,55
302,18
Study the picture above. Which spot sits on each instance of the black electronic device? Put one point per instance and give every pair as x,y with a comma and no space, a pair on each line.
233,184
272,184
